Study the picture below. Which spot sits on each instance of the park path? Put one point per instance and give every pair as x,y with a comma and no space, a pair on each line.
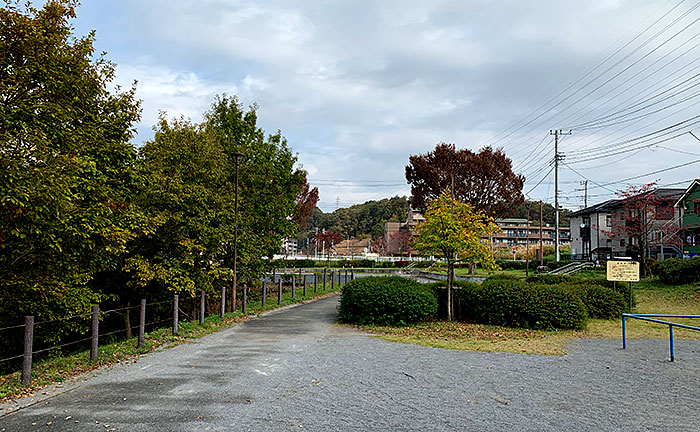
294,370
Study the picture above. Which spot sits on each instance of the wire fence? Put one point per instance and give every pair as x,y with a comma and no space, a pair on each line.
33,341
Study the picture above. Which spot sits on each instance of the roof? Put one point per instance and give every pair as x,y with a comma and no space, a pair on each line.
603,207
685,194
612,204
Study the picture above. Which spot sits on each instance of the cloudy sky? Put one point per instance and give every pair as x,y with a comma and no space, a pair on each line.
358,86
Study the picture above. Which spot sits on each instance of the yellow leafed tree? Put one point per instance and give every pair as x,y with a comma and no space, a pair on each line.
454,231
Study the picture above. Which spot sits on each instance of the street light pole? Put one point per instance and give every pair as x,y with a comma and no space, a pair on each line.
237,158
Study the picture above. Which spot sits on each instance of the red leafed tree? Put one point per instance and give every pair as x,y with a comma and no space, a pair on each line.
327,239
379,246
485,179
400,243
643,218
306,203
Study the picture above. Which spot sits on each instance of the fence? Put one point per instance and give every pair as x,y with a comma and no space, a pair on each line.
650,318
192,309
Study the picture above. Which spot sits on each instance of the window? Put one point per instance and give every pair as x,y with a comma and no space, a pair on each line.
622,242
608,221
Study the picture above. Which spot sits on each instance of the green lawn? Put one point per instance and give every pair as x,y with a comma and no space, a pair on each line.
652,297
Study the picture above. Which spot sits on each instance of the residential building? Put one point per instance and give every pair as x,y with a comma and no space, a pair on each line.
688,213
289,247
619,227
515,232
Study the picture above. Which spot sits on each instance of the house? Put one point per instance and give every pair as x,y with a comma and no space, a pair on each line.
622,227
398,234
688,212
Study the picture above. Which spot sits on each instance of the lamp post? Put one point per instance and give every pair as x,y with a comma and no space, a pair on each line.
237,159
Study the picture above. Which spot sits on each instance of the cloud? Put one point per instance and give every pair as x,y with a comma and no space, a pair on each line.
357,87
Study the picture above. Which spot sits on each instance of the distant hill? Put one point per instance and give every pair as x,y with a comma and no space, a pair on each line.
361,219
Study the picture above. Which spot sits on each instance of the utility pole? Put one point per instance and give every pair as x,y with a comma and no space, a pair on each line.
556,134
541,248
585,193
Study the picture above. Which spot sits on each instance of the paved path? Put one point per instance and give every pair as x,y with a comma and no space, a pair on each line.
293,370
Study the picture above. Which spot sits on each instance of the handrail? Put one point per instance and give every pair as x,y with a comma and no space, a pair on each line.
647,317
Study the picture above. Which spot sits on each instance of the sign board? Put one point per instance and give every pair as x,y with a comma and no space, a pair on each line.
623,271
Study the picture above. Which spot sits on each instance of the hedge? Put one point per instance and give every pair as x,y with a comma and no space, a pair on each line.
676,271
391,300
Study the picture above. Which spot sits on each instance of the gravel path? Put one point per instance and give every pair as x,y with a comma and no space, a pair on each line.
293,370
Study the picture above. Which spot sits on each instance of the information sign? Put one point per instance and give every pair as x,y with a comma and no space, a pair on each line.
623,271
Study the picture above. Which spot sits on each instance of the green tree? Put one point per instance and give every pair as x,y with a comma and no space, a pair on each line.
454,230
189,197
66,166
269,184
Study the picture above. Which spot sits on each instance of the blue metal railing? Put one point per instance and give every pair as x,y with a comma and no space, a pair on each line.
647,317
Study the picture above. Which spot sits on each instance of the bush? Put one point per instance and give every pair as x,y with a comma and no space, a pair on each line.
515,303
676,271
600,301
386,301
548,279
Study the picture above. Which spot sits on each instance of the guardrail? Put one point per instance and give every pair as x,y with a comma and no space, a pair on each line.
648,317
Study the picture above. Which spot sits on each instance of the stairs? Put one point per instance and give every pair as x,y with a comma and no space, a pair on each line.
572,268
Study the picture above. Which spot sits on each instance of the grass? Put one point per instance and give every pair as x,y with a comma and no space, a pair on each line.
61,368
652,297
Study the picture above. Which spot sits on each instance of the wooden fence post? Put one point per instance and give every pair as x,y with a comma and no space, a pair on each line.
294,286
222,312
279,291
202,306
95,332
315,282
264,291
304,284
324,280
142,324
176,311
332,281
245,298
28,349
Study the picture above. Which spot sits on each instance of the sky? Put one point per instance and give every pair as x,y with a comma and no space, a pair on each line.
358,86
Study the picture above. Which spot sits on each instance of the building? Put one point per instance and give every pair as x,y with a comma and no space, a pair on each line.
289,247
688,212
515,232
621,227
353,247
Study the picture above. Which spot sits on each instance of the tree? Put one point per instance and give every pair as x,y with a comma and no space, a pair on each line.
400,243
269,185
306,203
327,240
67,172
188,195
484,180
643,213
454,230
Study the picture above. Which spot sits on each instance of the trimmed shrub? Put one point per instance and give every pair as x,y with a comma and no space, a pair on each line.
600,301
548,279
515,303
389,300
676,271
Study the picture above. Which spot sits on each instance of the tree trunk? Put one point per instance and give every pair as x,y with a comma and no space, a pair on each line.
450,283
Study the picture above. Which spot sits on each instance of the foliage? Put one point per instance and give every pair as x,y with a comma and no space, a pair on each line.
601,302
269,185
326,240
306,203
362,219
676,271
485,180
389,300
454,230
514,303
66,169
641,214
188,193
